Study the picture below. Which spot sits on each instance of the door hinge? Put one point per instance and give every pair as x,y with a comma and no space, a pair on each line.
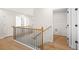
76,42
76,45
76,9
76,25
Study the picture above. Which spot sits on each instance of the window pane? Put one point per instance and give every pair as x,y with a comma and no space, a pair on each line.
26,21
22,20
18,21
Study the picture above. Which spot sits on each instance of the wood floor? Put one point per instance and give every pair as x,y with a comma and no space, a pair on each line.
60,43
9,44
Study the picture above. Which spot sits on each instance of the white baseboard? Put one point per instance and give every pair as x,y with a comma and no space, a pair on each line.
1,37
24,44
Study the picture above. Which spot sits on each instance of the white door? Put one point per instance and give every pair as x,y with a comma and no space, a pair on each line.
78,28
74,27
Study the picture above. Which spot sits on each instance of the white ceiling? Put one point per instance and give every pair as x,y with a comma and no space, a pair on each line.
30,11
58,10
26,11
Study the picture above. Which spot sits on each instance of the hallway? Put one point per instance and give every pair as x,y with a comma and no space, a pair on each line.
60,43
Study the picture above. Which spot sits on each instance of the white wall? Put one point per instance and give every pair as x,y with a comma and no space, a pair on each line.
60,22
44,17
41,17
7,20
25,11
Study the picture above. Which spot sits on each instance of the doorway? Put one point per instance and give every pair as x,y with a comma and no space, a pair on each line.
60,26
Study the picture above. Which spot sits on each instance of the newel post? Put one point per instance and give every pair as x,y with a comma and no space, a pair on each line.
14,32
42,38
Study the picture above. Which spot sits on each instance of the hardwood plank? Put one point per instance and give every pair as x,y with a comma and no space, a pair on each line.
9,44
60,43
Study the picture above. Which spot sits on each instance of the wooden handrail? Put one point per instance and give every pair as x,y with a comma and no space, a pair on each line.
47,28
43,31
26,28
42,38
30,28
